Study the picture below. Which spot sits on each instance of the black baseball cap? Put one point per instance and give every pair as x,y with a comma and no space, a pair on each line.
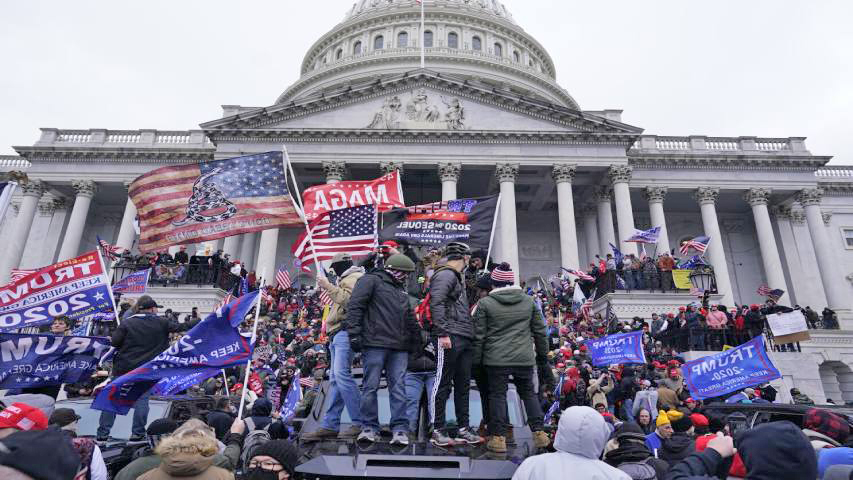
63,417
145,302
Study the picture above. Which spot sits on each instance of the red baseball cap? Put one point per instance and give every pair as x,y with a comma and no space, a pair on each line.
561,365
390,243
23,417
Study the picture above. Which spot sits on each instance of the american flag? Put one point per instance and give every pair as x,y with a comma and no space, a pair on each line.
112,252
697,292
225,301
700,244
325,299
349,230
586,308
581,275
17,274
763,290
282,276
307,382
193,203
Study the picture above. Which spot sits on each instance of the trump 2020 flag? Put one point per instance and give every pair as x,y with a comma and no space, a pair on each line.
41,360
136,282
215,343
206,201
294,396
645,236
467,220
725,372
620,348
75,288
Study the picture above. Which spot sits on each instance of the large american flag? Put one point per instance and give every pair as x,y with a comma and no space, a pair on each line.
186,204
700,244
112,252
349,230
282,276
580,274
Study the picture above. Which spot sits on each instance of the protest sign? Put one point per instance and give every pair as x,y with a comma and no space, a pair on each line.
385,192
75,288
621,348
788,327
681,279
136,282
41,360
725,372
467,220
262,352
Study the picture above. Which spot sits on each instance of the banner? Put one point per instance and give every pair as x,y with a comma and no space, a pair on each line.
215,343
645,236
76,288
41,360
617,349
385,192
193,203
787,323
725,372
467,220
136,282
681,279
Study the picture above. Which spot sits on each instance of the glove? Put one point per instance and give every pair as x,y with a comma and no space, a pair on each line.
355,344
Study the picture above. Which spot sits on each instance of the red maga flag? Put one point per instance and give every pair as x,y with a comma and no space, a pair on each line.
385,192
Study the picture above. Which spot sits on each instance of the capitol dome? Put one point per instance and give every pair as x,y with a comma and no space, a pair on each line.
476,41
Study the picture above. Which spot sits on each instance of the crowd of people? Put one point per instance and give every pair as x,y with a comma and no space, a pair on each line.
436,326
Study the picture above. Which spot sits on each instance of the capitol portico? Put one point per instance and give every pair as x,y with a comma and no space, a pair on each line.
485,115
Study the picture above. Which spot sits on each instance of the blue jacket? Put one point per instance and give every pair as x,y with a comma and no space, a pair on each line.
654,442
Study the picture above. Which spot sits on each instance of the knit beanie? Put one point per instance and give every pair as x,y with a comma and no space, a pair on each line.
281,450
662,420
502,275
679,421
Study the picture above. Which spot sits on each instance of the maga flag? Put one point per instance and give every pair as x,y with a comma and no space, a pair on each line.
468,220
215,343
385,192
205,201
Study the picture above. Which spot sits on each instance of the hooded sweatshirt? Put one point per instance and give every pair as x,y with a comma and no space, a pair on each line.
828,457
580,439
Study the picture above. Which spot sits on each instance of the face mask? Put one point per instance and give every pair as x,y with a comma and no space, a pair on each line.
399,276
260,474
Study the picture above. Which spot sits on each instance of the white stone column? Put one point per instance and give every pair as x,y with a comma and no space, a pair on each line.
757,199
707,198
590,230
247,249
267,251
563,175
335,170
449,173
12,253
126,233
507,173
85,191
606,234
833,281
53,238
620,175
655,197
232,247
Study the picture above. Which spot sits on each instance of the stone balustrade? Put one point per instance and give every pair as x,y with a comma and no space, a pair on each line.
144,137
723,145
13,162
840,171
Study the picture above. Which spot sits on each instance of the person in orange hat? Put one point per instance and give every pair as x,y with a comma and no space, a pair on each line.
20,417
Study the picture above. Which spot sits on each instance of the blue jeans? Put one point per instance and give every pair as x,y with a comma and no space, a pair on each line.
627,407
394,362
140,418
416,383
343,391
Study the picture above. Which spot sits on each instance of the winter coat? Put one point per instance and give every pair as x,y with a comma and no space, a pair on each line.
667,398
260,414
676,448
636,452
580,439
448,304
340,295
419,360
598,392
647,399
142,337
226,460
675,384
506,320
379,314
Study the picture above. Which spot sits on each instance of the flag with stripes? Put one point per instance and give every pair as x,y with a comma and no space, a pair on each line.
580,274
325,299
19,273
586,308
282,276
697,292
307,382
349,230
225,301
112,252
700,244
193,203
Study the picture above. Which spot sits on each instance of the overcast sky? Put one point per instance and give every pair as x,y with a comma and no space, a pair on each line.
724,67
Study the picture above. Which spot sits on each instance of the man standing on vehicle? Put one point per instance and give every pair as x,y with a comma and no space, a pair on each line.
343,390
138,339
381,324
454,330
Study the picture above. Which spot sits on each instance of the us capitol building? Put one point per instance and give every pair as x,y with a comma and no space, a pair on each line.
485,115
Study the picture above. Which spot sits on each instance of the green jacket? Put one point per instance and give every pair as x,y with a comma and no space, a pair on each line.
507,327
227,460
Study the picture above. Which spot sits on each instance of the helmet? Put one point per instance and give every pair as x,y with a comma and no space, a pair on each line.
341,257
457,249
400,262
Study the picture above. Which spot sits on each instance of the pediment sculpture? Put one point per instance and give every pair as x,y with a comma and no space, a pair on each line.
419,113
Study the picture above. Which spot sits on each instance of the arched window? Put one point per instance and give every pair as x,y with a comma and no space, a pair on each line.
452,40
516,56
356,49
499,50
402,40
339,54
428,39
379,42
476,44
530,63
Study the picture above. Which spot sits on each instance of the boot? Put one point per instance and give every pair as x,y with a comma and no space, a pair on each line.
541,439
497,444
318,435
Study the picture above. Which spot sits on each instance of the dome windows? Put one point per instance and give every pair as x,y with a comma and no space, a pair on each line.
402,39
379,42
499,50
476,44
453,40
428,38
356,48
339,54
516,56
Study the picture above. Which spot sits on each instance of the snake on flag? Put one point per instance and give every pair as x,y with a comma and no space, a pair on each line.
206,197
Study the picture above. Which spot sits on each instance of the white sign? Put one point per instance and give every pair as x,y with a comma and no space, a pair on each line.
787,323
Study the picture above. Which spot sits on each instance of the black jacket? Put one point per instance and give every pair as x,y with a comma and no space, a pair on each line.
636,451
142,337
220,422
676,448
449,304
420,360
379,314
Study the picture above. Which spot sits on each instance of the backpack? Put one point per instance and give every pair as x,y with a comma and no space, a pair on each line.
422,312
639,470
254,439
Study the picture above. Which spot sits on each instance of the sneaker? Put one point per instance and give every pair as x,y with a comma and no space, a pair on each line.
318,435
136,438
350,433
439,439
541,439
400,438
497,444
465,435
367,435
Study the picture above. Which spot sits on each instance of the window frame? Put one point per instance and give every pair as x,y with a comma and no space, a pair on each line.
844,237
455,36
498,49
476,44
357,45
431,39
379,40
405,35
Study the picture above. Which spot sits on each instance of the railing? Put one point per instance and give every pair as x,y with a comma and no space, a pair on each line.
173,274
725,145
128,137
187,138
14,161
835,172
73,136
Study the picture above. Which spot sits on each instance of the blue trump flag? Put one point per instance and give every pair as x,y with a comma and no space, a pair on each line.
294,395
645,236
215,343
618,256
621,348
729,371
41,360
136,282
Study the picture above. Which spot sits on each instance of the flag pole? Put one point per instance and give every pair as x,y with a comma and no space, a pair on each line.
225,379
252,343
492,236
109,285
423,36
298,197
